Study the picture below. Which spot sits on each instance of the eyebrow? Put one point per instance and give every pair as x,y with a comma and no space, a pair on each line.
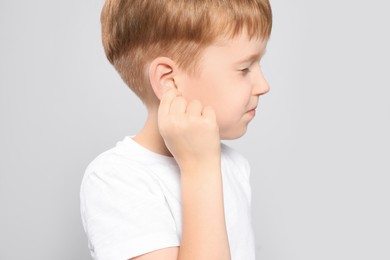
253,57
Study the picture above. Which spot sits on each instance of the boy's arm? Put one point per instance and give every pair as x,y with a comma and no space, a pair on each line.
191,134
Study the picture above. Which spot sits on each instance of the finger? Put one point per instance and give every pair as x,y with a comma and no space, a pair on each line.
194,108
166,101
178,106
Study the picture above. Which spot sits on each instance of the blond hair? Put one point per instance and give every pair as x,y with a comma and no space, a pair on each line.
135,32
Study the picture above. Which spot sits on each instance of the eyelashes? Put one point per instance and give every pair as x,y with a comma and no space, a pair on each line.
248,69
245,71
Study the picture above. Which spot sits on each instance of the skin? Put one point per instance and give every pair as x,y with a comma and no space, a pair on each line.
192,113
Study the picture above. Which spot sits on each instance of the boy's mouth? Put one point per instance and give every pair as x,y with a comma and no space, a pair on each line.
252,112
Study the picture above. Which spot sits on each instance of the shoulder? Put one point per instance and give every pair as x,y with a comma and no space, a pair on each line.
111,173
124,165
123,207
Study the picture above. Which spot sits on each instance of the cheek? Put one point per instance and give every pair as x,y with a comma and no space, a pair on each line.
201,89
228,96
191,89
229,100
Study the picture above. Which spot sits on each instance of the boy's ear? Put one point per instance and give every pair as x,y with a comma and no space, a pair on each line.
161,75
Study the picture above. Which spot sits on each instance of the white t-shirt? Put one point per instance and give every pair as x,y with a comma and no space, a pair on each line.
131,203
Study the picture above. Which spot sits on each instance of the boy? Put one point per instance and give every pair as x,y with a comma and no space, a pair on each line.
173,191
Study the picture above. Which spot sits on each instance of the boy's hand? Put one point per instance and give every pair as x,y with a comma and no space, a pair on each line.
190,131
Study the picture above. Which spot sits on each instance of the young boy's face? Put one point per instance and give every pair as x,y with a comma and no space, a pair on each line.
230,81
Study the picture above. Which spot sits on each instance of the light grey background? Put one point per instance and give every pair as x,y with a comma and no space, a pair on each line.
319,146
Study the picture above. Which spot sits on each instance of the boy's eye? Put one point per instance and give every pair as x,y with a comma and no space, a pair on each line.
245,71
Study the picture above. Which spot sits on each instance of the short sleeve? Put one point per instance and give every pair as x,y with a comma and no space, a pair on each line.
125,214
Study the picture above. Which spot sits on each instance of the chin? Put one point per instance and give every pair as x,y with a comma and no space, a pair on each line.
232,135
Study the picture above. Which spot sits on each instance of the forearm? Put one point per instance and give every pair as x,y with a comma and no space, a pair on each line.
191,133
204,233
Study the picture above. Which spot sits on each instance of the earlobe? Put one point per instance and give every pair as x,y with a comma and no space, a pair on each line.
161,75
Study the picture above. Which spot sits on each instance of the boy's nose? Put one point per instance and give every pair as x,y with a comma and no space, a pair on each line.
261,85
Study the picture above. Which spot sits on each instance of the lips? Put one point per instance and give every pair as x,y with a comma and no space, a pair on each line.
252,112
254,108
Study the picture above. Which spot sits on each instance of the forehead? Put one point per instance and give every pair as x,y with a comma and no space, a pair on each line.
234,49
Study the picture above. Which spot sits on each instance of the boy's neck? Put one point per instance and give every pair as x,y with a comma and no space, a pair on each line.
150,138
